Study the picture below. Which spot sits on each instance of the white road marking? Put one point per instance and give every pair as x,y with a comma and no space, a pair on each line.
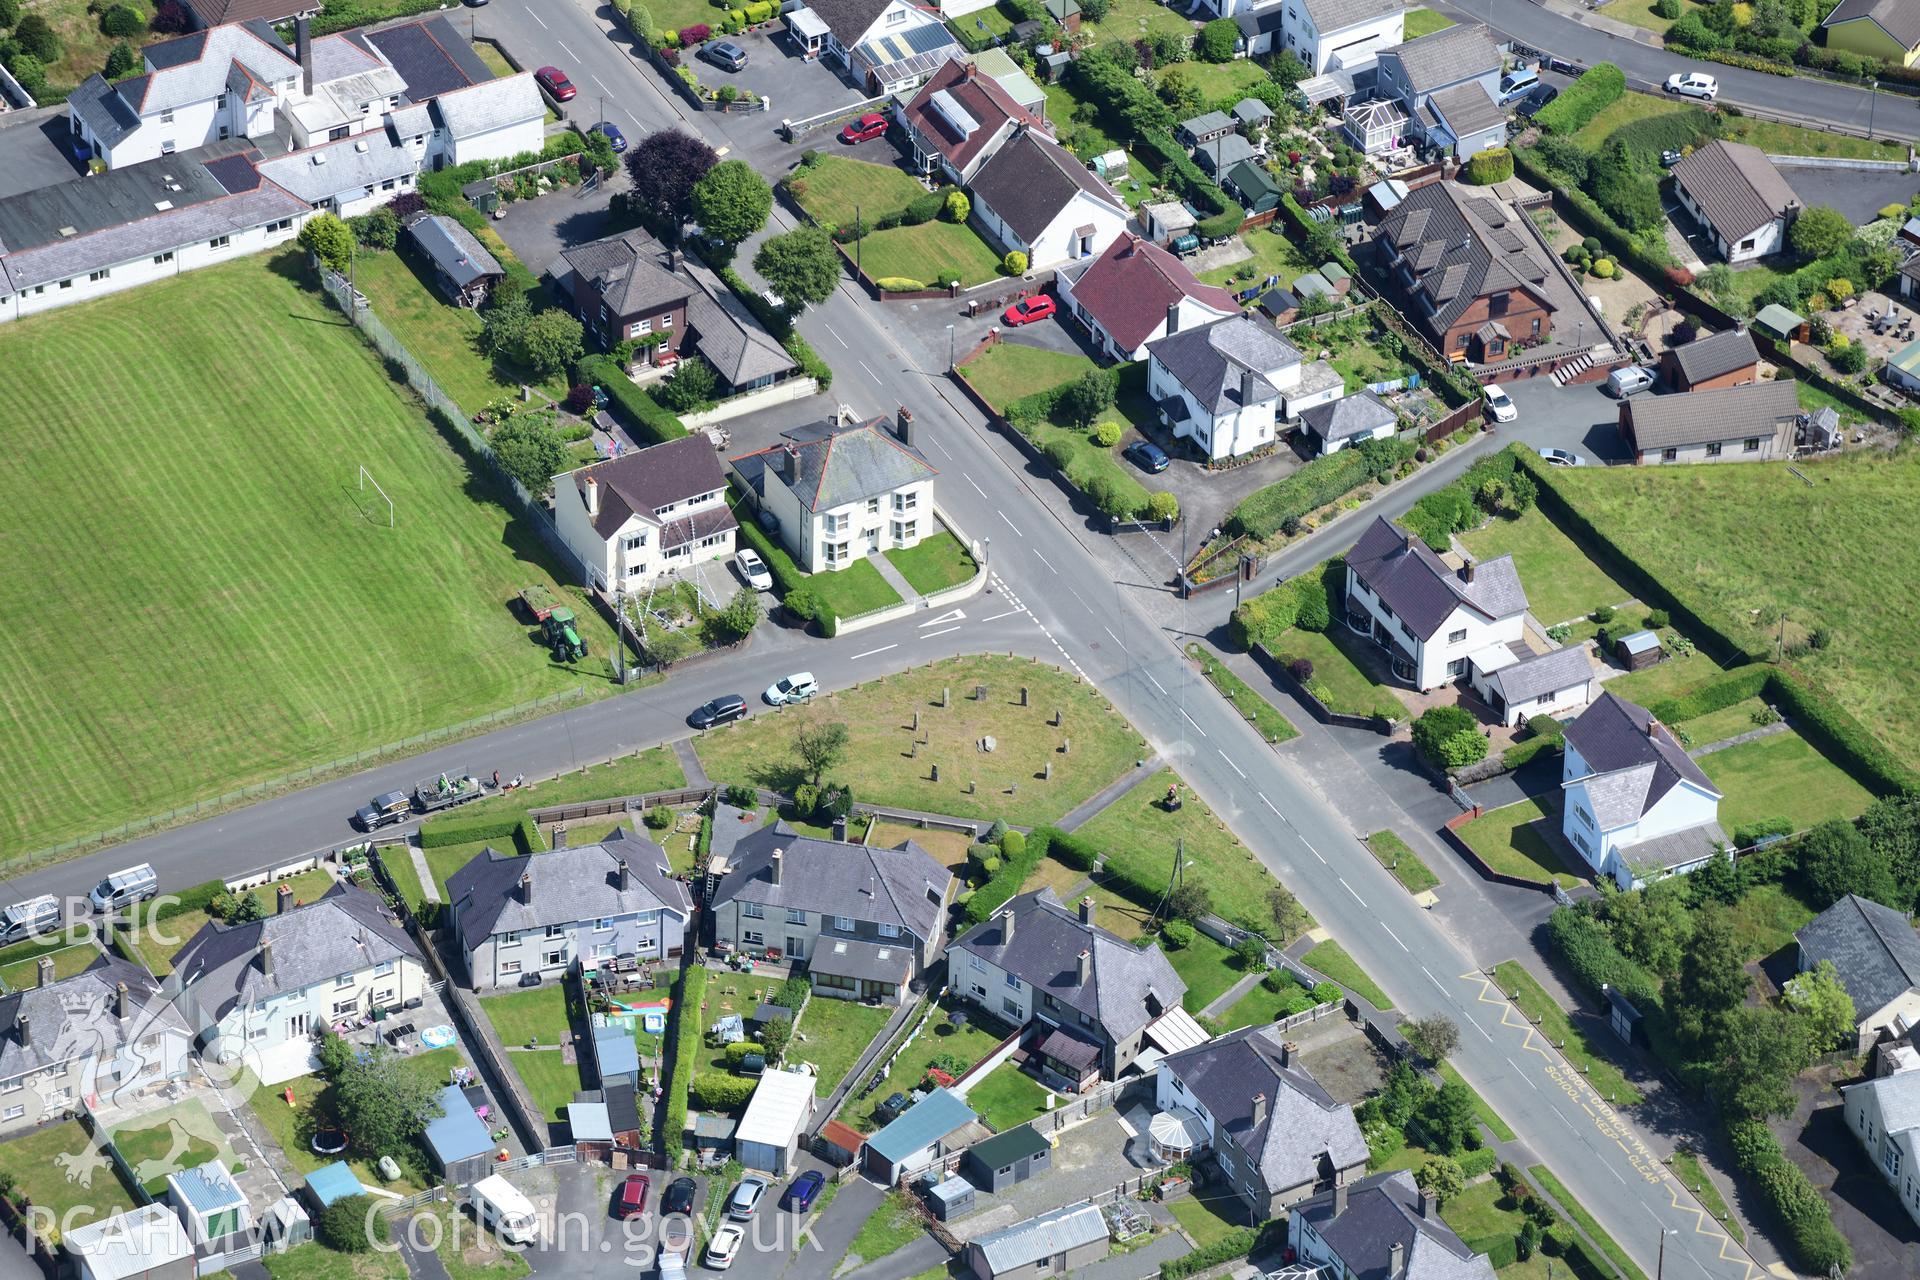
1010,524
1109,631
836,337
1156,684
976,488
869,653
1349,888
931,634
1046,562
952,615
597,80
870,373
1394,936
1193,722
536,17
1435,981
935,442
563,48
1303,840
1477,1027
1005,614
1269,804
1231,764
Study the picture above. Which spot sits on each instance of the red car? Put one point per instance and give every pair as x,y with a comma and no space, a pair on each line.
632,1200
555,82
871,125
1027,310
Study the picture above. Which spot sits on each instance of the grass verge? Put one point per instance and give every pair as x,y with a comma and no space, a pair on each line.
1686,1166
1332,959
1403,863
1558,1026
1256,710
1584,1220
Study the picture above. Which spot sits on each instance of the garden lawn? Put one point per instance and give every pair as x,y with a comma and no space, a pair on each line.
1208,1216
292,1126
1476,1215
1007,1096
148,1143
1686,1167
878,716
1812,398
549,1077
67,961
1273,254
1092,464
1056,875
1121,916
1337,679
1401,862
1221,82
1207,967
489,53
835,185
1261,1006
1139,838
1332,959
1506,840
1670,677
1254,708
315,1262
1782,777
398,860
1727,722
1424,22
1010,369
1562,584
1637,12
243,565
35,1160
893,1228
836,1033
1829,555
969,1043
1774,139
536,1015
1765,918
949,848
469,1252
854,590
1130,19
927,252
1542,1010
938,562
1745,284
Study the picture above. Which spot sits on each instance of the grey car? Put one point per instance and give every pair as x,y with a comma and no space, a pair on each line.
726,55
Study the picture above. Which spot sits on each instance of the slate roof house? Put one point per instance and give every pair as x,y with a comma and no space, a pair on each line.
104,1033
1276,1134
1055,1243
1726,359
1449,85
867,921
1741,199
958,119
1382,1228
1637,806
590,904
1229,384
1877,954
214,13
1089,1001
887,46
462,267
1521,685
1756,422
1884,1117
1035,197
841,490
1884,29
265,990
1135,292
1350,420
647,513
1473,275
1434,622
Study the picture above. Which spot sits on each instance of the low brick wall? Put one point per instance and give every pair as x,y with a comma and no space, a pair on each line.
1271,664
1450,832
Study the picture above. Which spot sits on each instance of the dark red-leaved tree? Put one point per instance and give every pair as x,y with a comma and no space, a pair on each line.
664,169
170,18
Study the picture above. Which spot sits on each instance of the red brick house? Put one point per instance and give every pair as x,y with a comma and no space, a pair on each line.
1711,361
626,287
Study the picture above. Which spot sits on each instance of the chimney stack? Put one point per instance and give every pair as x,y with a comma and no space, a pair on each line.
779,856
283,899
1259,1109
1426,1203
1246,386
303,46
1084,966
1653,728
1411,542
121,1005
43,972
1287,1049
593,496
620,874
790,465
526,888
1086,910
266,956
24,1029
1173,318
1339,1198
1006,927
904,422
1396,1260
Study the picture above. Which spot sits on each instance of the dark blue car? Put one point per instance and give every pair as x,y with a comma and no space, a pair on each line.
803,1189
612,130
1148,456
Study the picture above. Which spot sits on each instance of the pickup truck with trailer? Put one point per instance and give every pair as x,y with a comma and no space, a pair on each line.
446,790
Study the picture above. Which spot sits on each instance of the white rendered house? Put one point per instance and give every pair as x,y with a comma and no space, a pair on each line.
1228,385
646,513
1430,619
839,490
1035,197
1884,1117
1637,806
1136,292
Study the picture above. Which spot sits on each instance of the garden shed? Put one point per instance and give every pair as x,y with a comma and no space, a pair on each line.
147,1243
921,1133
1787,326
591,1131
210,1203
1639,651
950,1197
713,1131
1008,1158
769,1132
457,1142
332,1182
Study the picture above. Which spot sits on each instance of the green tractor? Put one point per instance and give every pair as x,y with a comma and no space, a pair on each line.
562,636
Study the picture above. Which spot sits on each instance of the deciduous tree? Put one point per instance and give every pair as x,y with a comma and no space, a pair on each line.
664,169
1433,1038
819,748
801,266
1288,916
1441,1177
1823,1005
1820,231
383,1103
1713,980
530,451
550,342
732,202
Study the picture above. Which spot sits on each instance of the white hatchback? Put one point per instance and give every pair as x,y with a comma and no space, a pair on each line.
798,687
1693,84
725,1245
1500,406
753,569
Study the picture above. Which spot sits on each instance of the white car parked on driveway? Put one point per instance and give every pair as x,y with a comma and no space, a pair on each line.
753,569
1500,406
1694,84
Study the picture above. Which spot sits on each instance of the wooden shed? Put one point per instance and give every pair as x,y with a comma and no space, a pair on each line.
1639,651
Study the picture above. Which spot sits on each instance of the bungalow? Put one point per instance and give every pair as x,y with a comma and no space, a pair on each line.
1034,197
1727,359
1884,1116
1056,1243
646,514
1135,293
1350,420
1885,29
840,490
1228,384
1277,1135
1637,806
1448,83
886,46
1520,686
1753,423
591,904
1381,1226
1739,197
1877,954
957,120
1432,620
465,272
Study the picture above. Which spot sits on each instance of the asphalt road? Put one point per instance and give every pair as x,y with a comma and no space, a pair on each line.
1050,598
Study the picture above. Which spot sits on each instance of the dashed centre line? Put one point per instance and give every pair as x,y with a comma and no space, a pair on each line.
976,488
1243,777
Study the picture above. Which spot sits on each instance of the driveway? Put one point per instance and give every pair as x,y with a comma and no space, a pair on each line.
797,90
1886,1243
537,230
1583,419
33,151
1087,1159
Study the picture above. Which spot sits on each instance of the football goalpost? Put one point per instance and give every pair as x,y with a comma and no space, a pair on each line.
366,478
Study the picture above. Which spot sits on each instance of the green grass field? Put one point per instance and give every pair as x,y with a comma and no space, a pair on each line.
1210,1216
537,1015
926,253
1561,583
836,185
1543,1011
39,1163
936,563
969,1043
1507,840
1772,138
1221,82
1782,776
1007,1096
1332,959
854,590
265,619
549,1077
834,1034
1008,370
1273,254
1833,555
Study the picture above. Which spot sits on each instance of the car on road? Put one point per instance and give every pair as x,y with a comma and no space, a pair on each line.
1518,83
1147,456
1500,406
678,1197
617,139
554,81
632,1200
1563,458
475,4
1028,310
722,710
383,810
746,1197
802,1191
726,55
753,569
29,919
1537,97
870,125
722,1249
798,687
124,888
1631,380
1693,84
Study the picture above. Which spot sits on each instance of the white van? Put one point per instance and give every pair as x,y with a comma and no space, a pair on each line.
124,888
29,919
1629,380
500,1205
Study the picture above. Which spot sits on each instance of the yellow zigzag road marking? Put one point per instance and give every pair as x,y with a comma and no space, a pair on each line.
1606,1122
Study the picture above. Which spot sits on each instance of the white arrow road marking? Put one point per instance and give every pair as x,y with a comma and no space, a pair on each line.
955,616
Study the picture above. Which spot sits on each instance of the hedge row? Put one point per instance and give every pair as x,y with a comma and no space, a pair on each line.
1818,1246
1262,513
1237,1243
519,828
1478,1161
1004,883
787,576
640,412
1586,215
1716,695
686,1051
716,1091
1595,91
1597,963
1836,734
1069,849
